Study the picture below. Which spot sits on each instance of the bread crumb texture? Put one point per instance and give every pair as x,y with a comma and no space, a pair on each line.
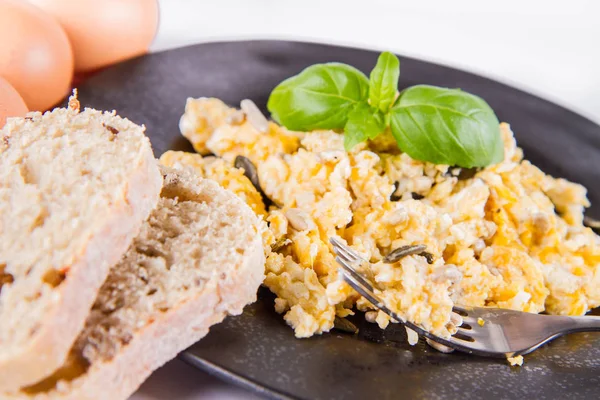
61,175
199,235
195,230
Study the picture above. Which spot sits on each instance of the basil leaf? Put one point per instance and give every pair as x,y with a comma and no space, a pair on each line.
446,126
364,122
320,97
383,82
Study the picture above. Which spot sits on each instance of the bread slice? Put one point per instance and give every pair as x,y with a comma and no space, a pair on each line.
198,258
75,188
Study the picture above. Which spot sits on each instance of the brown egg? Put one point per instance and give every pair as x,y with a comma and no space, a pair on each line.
103,32
11,103
35,54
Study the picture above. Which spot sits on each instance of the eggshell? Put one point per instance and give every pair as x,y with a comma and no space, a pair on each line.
35,54
11,103
103,32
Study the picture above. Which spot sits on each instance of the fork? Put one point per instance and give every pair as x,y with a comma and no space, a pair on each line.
491,332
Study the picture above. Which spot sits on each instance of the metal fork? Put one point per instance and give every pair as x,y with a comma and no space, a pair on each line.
491,332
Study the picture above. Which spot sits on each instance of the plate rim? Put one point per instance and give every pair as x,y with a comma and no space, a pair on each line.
350,46
233,378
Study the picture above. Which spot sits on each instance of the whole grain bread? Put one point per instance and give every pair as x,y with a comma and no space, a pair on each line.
198,258
75,188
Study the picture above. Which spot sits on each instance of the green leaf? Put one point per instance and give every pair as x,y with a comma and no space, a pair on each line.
446,126
320,97
364,122
383,82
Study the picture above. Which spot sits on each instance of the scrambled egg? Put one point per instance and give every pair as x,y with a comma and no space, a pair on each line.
508,236
515,361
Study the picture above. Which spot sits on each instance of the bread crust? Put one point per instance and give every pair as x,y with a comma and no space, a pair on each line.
172,332
50,346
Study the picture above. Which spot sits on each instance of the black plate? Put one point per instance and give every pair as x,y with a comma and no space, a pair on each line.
257,349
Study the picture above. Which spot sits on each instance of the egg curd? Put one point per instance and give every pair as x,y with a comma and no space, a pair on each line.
505,236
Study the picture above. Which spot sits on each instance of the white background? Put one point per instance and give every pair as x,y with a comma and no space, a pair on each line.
548,47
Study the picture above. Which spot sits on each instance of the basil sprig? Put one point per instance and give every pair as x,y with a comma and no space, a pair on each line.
383,83
429,123
320,97
364,122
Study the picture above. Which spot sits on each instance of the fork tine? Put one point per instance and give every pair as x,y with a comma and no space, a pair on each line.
467,317
351,257
355,280
347,257
486,341
367,293
469,320
457,341
349,270
459,310
363,291
339,246
469,332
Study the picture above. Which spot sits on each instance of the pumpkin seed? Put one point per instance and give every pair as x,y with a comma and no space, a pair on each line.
467,173
342,324
428,257
461,173
394,196
281,242
252,174
404,251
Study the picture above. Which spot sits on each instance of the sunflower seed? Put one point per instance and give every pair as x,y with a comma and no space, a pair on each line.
591,222
342,324
439,347
371,316
456,319
255,117
299,220
478,247
413,337
448,272
403,251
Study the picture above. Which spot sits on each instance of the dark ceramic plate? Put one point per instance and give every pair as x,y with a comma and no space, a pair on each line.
257,349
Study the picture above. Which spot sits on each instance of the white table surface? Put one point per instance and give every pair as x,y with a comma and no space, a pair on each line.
547,47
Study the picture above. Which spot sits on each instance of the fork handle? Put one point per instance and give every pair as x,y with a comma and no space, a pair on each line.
589,323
